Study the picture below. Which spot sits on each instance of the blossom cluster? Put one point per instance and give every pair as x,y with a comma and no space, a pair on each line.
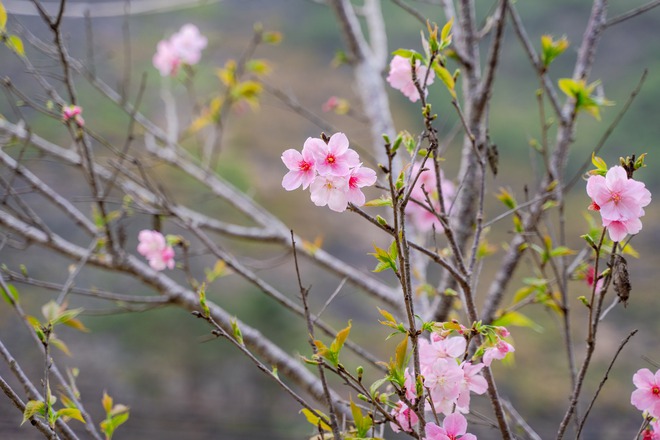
184,47
619,200
450,380
155,248
400,76
332,171
423,219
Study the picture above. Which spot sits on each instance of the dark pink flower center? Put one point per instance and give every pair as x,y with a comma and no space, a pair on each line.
353,182
305,166
594,207
616,197
655,390
330,159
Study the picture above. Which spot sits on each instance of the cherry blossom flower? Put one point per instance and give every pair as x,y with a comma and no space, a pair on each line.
619,200
73,112
647,395
590,276
166,59
429,352
421,217
331,191
188,44
153,246
405,416
334,158
618,229
472,382
653,434
301,166
359,177
454,426
400,76
444,381
184,47
499,351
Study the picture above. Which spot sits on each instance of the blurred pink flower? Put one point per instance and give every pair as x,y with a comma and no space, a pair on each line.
184,47
166,60
73,112
647,395
454,426
153,246
400,76
472,382
188,44
422,218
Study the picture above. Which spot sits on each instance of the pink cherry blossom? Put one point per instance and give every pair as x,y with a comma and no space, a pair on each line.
188,44
454,426
647,395
331,191
166,59
334,158
430,352
591,276
400,76
359,177
472,382
653,431
618,197
153,246
620,200
184,47
73,112
405,416
618,229
499,351
302,169
444,381
422,218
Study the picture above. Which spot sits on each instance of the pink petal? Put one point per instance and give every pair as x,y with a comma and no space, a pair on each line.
644,378
597,189
642,399
292,180
616,229
351,158
616,177
292,159
434,432
356,196
455,424
338,143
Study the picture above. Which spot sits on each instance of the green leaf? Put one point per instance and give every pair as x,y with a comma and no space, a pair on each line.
340,339
446,78
383,201
598,162
3,17
59,344
323,421
106,401
259,67
15,43
33,408
445,35
72,413
66,316
551,49
11,296
405,53
374,386
238,335
517,319
119,420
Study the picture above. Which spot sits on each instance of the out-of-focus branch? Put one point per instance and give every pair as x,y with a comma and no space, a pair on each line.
105,9
183,298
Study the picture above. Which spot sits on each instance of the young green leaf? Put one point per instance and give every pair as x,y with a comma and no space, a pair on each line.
323,421
3,17
33,408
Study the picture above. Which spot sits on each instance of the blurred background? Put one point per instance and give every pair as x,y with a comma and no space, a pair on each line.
161,363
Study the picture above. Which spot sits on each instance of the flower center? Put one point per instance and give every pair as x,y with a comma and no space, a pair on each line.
655,390
331,159
305,166
616,197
